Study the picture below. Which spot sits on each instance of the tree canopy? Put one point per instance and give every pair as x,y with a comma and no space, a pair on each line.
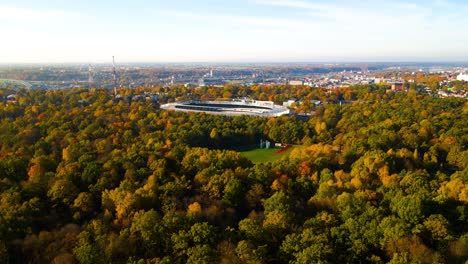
85,178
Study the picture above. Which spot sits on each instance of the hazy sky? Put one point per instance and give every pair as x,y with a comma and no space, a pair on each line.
233,30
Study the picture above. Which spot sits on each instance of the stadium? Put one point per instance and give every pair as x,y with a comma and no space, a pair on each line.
234,107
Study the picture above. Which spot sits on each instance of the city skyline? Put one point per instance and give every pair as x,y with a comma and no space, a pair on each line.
239,31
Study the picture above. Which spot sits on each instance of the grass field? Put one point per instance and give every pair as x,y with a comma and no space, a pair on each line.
265,155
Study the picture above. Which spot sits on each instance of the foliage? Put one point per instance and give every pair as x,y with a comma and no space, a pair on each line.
384,179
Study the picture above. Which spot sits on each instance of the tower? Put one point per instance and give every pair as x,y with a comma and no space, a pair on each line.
115,76
90,75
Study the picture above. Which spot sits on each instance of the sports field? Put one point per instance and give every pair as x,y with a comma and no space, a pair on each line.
265,155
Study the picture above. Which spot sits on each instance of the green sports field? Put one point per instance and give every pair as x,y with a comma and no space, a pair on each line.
265,155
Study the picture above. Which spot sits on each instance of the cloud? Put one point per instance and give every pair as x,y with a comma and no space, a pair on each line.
366,15
261,29
351,7
258,21
17,14
294,4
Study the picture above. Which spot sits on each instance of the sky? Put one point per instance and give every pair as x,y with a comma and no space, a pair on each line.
92,31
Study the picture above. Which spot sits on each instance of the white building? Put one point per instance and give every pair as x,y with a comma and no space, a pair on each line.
233,107
289,103
296,82
463,77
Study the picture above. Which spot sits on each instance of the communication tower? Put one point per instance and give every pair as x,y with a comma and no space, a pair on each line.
115,76
90,75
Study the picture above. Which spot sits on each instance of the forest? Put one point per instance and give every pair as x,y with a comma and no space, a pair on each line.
85,178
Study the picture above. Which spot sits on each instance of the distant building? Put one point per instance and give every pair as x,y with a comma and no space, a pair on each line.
443,94
211,82
463,77
398,86
289,103
316,102
11,98
296,82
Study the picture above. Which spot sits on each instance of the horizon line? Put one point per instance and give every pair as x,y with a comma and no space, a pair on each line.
247,62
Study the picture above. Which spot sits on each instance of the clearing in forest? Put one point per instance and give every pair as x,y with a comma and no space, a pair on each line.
265,155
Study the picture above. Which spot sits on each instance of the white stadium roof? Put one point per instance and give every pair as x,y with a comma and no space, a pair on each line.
230,108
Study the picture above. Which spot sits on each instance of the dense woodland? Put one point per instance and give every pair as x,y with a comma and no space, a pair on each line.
88,179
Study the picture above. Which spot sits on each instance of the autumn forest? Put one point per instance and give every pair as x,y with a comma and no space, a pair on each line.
86,178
